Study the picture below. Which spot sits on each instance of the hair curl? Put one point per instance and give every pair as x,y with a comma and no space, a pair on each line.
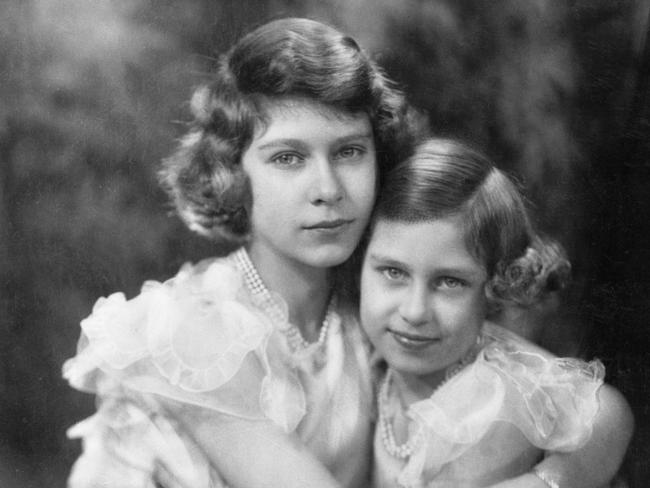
445,178
543,269
285,58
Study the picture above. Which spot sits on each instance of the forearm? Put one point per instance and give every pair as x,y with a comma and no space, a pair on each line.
109,456
254,454
129,445
528,480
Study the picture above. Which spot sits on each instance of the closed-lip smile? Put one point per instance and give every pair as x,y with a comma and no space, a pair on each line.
328,224
412,341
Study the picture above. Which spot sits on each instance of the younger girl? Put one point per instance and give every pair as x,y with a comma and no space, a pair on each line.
464,402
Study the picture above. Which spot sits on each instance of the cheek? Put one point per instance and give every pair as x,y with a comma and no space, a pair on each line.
461,314
478,305
471,315
372,305
366,307
269,198
258,190
362,185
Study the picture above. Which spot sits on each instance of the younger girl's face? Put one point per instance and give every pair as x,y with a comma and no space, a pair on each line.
312,171
422,295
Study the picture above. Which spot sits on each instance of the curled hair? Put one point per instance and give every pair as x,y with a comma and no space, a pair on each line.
445,178
285,58
542,269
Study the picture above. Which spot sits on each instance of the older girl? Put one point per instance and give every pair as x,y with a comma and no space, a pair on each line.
254,361
464,402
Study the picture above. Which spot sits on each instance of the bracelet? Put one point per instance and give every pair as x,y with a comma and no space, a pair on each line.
546,478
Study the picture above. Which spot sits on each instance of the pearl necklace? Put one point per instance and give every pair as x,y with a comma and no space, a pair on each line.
276,308
403,451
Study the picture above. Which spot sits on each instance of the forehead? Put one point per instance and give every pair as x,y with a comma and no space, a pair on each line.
296,116
427,245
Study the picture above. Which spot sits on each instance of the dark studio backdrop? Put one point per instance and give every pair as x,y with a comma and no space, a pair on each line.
93,93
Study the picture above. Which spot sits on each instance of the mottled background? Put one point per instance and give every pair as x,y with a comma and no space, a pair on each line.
93,93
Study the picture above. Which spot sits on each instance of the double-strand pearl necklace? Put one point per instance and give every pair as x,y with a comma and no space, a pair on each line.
403,451
275,309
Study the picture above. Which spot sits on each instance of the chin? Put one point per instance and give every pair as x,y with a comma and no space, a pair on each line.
329,261
412,366
329,256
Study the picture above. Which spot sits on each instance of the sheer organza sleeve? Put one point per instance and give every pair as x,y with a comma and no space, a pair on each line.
194,339
552,401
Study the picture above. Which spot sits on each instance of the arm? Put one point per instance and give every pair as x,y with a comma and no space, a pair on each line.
127,445
594,464
253,454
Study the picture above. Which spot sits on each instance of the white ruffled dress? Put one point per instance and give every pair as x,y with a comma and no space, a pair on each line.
204,338
493,420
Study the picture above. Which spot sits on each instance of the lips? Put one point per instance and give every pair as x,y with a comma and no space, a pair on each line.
413,341
329,224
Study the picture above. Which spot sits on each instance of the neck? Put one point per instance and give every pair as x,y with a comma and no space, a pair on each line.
412,388
305,289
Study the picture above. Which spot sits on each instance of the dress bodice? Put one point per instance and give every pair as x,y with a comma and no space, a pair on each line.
204,338
494,419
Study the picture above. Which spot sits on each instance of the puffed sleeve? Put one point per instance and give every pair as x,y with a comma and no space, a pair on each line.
552,401
195,339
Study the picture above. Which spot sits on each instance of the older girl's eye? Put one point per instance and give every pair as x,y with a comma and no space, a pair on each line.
393,274
287,159
351,153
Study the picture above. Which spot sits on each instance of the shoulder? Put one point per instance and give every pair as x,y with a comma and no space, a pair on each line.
552,401
507,351
193,329
197,339
206,275
614,421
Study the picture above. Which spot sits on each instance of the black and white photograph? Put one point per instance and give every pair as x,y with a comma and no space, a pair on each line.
324,243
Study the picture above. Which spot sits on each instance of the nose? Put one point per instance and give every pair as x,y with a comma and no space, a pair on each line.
415,307
326,186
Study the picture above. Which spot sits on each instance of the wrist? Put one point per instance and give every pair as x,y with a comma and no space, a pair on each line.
549,479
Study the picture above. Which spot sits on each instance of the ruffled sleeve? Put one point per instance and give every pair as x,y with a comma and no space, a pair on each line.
196,339
552,401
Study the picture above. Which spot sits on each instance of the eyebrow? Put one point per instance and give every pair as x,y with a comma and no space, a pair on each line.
459,271
354,137
299,143
389,261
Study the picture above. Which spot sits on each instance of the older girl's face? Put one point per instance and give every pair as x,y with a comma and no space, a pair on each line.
313,175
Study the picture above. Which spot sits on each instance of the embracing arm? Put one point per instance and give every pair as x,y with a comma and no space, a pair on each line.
594,464
126,444
253,454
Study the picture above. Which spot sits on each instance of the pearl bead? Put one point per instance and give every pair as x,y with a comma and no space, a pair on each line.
403,451
273,307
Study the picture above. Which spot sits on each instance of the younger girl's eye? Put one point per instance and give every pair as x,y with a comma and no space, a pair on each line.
451,282
286,159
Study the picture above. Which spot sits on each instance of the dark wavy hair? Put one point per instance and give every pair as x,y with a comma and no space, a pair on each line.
285,58
445,178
